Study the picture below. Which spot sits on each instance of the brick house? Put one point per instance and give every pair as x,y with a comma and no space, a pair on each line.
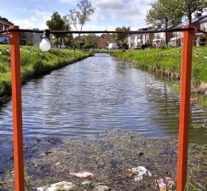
103,41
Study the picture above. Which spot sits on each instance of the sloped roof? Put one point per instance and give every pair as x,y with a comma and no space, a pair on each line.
5,21
203,20
194,20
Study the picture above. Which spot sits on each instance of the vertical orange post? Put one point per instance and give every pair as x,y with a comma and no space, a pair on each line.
184,109
17,109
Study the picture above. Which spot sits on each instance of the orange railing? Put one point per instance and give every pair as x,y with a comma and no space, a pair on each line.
14,33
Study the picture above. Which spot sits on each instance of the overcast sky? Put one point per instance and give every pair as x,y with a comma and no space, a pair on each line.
108,14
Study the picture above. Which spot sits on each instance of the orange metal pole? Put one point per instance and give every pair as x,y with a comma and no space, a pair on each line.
184,109
17,109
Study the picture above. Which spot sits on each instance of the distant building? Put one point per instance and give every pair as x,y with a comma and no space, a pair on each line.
200,23
161,38
31,38
203,24
134,41
37,37
103,41
141,40
26,38
4,25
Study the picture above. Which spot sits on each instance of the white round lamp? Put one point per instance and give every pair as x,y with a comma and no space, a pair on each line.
45,43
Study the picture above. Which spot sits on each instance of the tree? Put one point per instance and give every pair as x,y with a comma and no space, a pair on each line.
190,6
58,23
121,36
164,13
81,15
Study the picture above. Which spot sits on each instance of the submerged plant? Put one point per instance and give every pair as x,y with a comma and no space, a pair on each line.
27,180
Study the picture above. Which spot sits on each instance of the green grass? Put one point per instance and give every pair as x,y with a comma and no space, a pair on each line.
34,63
168,62
168,59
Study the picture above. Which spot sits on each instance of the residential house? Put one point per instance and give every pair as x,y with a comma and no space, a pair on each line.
200,23
203,24
26,38
37,37
147,38
140,40
161,38
103,41
4,25
134,41
31,39
202,38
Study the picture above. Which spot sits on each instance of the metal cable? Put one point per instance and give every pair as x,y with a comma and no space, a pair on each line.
103,32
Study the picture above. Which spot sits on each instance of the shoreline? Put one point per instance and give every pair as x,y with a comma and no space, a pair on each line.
49,160
58,58
166,63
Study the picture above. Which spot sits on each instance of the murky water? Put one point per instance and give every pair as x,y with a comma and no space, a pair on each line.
99,94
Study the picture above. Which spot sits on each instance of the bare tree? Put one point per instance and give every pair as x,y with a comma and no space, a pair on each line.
81,15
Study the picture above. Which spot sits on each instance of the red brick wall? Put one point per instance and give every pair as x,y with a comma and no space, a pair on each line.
103,41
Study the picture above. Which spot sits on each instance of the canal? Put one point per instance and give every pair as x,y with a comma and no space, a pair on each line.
99,94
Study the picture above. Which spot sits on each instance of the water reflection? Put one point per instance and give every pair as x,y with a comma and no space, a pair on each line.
97,94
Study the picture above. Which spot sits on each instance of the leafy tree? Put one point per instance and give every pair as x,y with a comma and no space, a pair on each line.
164,13
190,6
121,36
89,39
60,24
81,15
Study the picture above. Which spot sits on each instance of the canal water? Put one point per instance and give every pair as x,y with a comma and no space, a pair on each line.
98,94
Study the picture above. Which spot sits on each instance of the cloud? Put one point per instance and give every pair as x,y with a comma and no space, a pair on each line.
110,5
107,12
68,1
130,11
37,20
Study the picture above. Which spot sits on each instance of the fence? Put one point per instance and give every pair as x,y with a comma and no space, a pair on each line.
14,33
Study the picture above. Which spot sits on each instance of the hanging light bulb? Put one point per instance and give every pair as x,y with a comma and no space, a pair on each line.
45,43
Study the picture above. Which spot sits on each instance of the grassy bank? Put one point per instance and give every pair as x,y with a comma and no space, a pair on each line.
167,62
34,63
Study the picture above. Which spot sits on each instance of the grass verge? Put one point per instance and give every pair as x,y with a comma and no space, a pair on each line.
34,63
167,62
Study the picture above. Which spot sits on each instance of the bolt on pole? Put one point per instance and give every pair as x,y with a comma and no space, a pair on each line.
184,109
17,109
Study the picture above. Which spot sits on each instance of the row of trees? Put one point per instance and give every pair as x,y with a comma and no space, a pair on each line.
76,17
171,12
165,13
